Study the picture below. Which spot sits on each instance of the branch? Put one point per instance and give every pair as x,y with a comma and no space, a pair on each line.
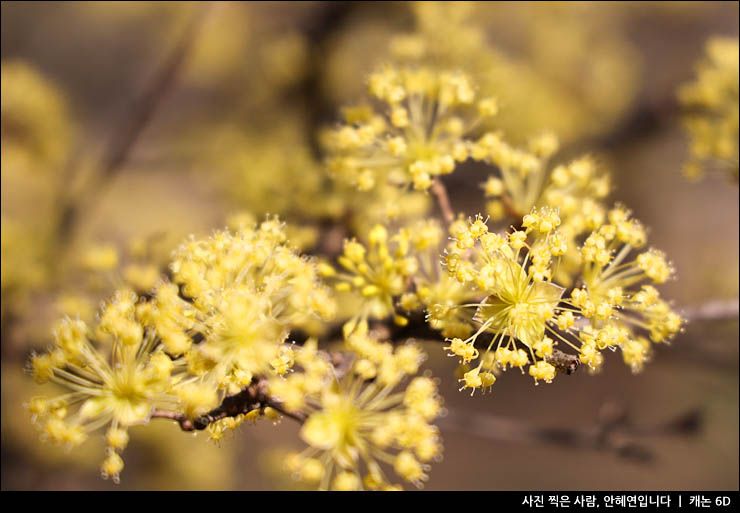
417,328
717,310
331,18
613,432
126,135
253,397
443,200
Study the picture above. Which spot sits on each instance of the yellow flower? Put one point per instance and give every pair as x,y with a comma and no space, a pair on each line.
527,313
35,114
419,132
244,292
568,196
711,110
380,271
354,426
114,375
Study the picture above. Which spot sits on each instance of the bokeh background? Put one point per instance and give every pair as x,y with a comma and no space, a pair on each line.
233,131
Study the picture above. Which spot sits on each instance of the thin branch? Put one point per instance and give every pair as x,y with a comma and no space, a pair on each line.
613,432
511,212
254,397
644,121
329,20
443,201
139,115
417,328
717,310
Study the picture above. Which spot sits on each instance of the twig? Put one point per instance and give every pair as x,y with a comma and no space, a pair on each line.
128,133
644,121
254,397
613,432
511,212
716,310
418,329
443,200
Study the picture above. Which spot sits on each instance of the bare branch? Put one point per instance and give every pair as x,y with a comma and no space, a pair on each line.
417,328
646,120
613,432
716,310
443,200
138,118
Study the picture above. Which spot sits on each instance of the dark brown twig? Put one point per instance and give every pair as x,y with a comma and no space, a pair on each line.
330,19
254,397
418,329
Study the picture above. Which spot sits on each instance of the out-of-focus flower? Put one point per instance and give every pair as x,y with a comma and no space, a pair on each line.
241,293
419,131
711,110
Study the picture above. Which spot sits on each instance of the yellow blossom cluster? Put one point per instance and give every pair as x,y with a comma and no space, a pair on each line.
243,310
526,313
526,181
34,114
540,85
711,110
137,266
433,290
380,270
420,130
114,372
239,295
400,274
523,172
576,189
362,420
21,268
259,177
36,139
219,322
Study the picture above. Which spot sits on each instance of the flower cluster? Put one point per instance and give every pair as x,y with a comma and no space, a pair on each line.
523,172
433,290
362,420
541,82
35,116
527,313
526,180
711,104
380,270
36,138
575,189
399,274
421,131
239,294
241,314
222,321
115,373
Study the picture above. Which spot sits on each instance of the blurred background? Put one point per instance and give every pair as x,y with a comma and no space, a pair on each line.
128,126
